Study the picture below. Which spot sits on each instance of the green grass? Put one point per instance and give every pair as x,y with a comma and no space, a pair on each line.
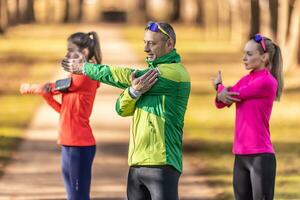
209,131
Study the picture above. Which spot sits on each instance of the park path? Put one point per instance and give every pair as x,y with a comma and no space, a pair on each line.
34,172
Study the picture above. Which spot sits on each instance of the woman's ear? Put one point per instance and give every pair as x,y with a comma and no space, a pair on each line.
265,57
85,52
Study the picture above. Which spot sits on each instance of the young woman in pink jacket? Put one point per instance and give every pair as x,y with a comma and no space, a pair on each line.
253,95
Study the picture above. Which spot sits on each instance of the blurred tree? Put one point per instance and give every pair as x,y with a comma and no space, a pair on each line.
189,11
29,11
26,11
13,11
255,17
265,18
240,20
283,21
45,11
273,6
200,13
3,16
224,19
80,11
210,18
160,10
73,11
290,36
67,10
176,11
137,11
50,10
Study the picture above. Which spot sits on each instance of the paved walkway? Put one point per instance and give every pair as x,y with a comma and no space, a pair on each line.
34,172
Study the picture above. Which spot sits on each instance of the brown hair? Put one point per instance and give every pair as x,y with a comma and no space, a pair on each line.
169,29
274,62
90,41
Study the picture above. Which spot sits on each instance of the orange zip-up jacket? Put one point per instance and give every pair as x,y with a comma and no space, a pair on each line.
75,110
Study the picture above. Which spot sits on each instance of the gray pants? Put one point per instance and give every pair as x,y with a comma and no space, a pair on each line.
152,183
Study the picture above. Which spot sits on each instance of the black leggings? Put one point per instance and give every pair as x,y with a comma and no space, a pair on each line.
254,176
152,183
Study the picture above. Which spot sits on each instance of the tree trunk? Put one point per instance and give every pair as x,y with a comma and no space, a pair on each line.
255,16
12,12
200,13
137,12
3,16
265,19
246,19
26,11
18,14
159,10
282,22
176,10
298,54
67,10
239,22
75,12
80,11
273,6
223,19
291,49
211,19
189,11
30,11
22,5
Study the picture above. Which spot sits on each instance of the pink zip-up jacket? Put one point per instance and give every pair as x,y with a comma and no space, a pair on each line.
257,92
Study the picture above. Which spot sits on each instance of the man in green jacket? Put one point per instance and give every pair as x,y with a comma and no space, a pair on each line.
155,148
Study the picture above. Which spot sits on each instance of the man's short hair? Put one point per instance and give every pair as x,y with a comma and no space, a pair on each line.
169,29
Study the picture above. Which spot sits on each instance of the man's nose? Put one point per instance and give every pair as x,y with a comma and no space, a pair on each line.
146,48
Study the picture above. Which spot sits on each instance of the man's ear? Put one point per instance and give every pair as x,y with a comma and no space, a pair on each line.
170,44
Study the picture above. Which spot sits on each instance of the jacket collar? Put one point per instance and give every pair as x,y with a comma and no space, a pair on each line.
259,72
171,57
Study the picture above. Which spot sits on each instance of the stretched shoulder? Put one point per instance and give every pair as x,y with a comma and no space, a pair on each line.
174,71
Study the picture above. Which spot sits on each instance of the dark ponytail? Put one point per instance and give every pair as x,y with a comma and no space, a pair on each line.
90,41
95,48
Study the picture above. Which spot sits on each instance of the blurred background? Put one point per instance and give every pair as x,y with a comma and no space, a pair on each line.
210,36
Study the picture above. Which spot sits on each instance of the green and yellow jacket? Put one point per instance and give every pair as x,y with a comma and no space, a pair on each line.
158,115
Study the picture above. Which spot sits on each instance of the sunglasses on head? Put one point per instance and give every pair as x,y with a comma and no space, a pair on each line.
155,27
260,39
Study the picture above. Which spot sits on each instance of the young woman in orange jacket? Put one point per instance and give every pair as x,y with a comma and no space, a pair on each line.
75,134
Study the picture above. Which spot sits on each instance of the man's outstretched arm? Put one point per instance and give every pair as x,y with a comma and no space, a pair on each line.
114,76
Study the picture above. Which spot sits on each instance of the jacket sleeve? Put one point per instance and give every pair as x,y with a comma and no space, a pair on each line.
52,102
77,82
220,104
258,88
125,105
221,87
166,86
114,76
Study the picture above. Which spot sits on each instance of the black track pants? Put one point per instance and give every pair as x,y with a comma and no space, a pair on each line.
152,183
254,176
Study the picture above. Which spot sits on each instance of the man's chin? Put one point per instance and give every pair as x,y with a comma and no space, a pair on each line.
150,58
